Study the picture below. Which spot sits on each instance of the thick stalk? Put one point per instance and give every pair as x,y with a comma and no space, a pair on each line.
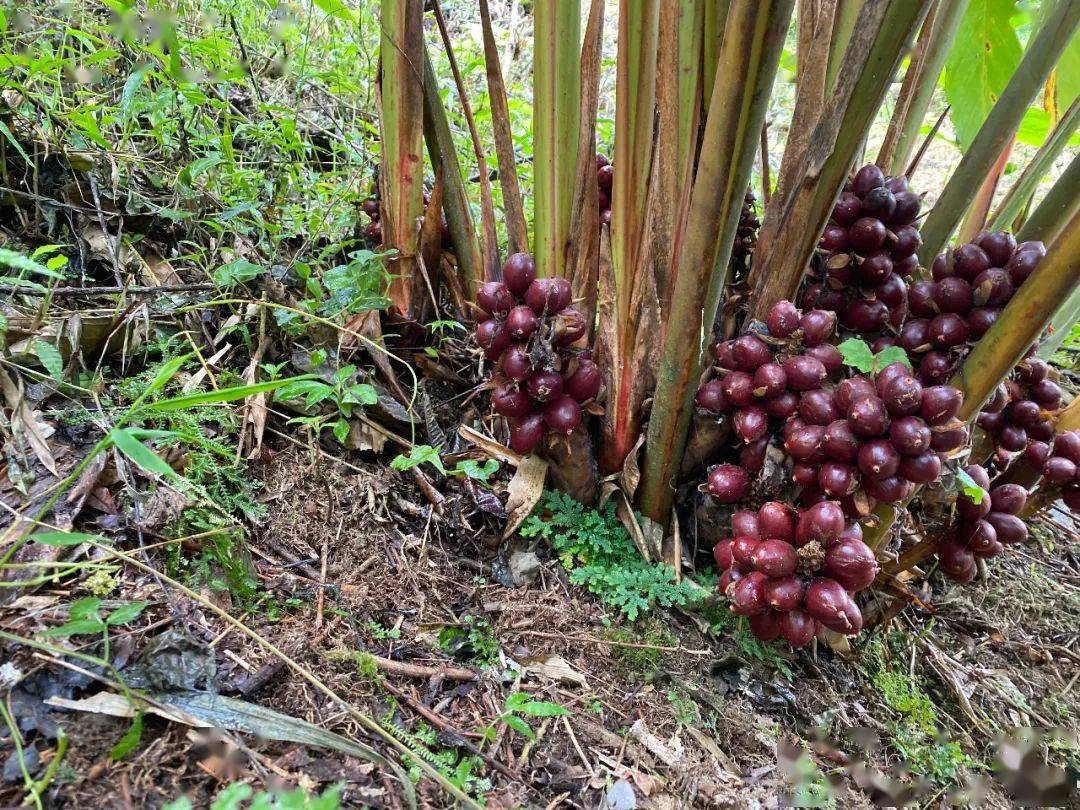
716,12
881,37
513,209
1066,316
631,283
1001,124
979,209
691,34
1021,323
1021,192
749,57
846,14
931,49
1060,205
556,106
401,94
440,143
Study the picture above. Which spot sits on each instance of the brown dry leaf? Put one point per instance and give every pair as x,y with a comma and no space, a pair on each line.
524,491
631,472
489,446
24,424
557,668
255,410
364,437
158,272
369,326
625,512
101,246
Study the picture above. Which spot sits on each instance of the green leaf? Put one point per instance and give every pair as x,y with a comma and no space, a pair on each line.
419,454
125,613
50,357
474,470
312,391
126,744
336,8
361,394
542,708
131,87
984,56
139,453
10,258
340,429
164,374
61,539
519,725
15,143
217,397
857,353
86,608
235,272
79,627
890,355
970,487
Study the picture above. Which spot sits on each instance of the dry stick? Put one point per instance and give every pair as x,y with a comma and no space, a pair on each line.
766,191
926,143
114,290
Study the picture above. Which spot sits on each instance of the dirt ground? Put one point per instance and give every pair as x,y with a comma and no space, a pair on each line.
420,627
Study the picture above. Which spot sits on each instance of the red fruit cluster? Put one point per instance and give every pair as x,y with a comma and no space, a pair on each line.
972,284
605,177
794,573
527,325
883,434
983,528
1022,409
1060,465
373,230
870,243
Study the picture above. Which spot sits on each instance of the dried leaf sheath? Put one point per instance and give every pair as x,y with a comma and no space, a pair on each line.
401,95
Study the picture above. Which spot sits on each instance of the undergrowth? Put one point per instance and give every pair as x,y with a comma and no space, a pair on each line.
599,554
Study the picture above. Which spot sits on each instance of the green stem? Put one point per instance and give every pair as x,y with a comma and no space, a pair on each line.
1058,206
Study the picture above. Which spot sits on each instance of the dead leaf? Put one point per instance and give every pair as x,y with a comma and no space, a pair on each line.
557,668
489,446
24,423
524,491
196,379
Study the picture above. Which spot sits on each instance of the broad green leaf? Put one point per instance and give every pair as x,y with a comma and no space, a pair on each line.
983,58
66,538
970,487
22,282
125,613
471,468
419,454
164,374
222,395
86,608
889,355
336,8
235,272
10,258
1034,127
50,357
79,627
519,725
126,744
857,353
131,87
140,454
362,394
340,429
15,143
311,391
542,708
203,164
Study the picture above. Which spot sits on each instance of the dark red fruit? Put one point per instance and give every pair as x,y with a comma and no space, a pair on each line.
822,522
867,178
804,373
1036,454
866,234
922,469
837,479
804,474
945,441
750,423
998,246
493,337
765,625
910,435
865,316
526,433
1032,370
977,536
784,593
805,443
851,391
1008,498
981,319
744,523
752,455
515,363
783,319
834,238
889,490
1022,265
954,295
738,388
935,368
563,415
907,208
922,300
906,266
992,288
915,336
728,483
1012,438
956,561
776,521
750,352
518,273
879,202
522,322
1009,528
1022,413
797,628
908,241
782,406
711,397
878,459
748,597
875,268
902,395
940,404
548,295
584,383
495,299
544,386
948,330
509,400
1047,394
852,564
1071,496
841,444
1058,470
1067,445
724,358
818,407
728,579
892,291
847,209
829,356
722,554
828,602
770,380
775,558
969,260
817,326
868,417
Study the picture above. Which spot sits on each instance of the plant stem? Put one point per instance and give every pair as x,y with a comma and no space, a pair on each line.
1058,206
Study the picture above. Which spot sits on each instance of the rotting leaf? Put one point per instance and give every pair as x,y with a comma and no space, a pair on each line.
524,491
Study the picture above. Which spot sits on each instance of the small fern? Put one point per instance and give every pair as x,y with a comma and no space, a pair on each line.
601,557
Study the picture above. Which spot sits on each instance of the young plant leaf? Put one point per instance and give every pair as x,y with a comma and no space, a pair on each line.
856,353
890,355
61,539
970,487
50,357
140,454
419,454
126,744
125,613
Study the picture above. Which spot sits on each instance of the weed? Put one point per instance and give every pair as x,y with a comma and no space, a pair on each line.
519,706
600,555
474,640
772,654
685,708
237,795
642,660
461,769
